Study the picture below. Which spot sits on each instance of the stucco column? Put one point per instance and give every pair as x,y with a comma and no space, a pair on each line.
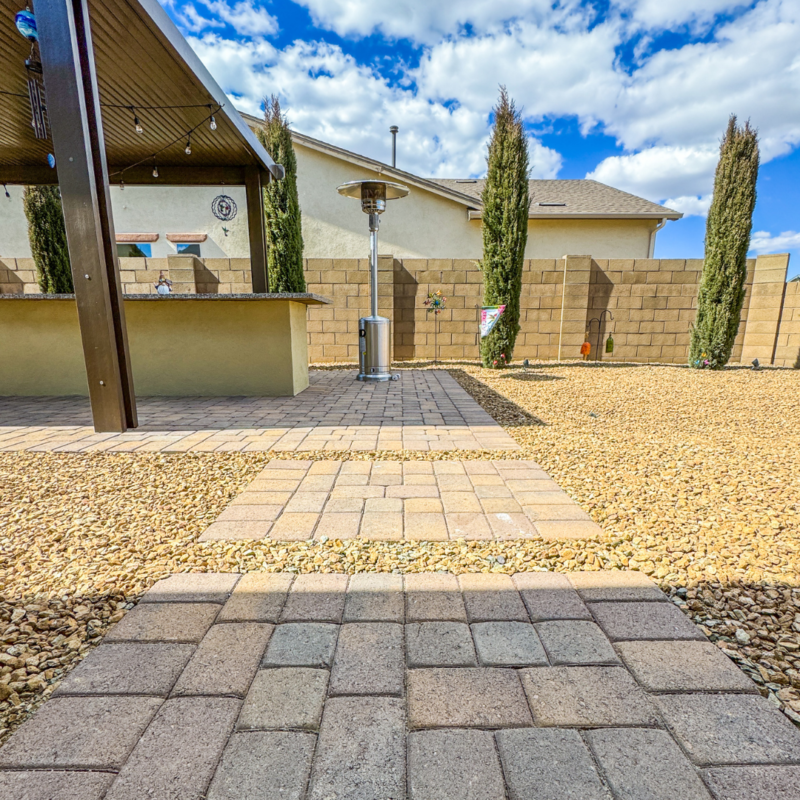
764,313
574,306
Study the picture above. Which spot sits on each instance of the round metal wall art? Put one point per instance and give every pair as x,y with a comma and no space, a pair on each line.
223,207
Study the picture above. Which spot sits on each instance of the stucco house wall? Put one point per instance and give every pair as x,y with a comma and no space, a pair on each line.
426,224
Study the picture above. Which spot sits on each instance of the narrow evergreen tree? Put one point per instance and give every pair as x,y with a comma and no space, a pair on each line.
281,206
48,239
505,228
730,218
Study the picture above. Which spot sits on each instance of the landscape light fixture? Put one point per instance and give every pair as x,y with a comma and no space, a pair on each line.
374,332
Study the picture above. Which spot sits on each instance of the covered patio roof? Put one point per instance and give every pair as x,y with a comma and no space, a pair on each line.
100,67
144,69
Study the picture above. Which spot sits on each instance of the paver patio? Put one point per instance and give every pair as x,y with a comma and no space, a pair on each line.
429,686
423,500
423,410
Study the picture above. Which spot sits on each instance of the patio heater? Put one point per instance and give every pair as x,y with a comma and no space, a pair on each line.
374,343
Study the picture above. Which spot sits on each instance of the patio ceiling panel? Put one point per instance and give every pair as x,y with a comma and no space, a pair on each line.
142,61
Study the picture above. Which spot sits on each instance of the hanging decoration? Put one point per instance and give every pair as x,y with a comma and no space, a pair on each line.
26,25
489,317
223,207
435,302
609,344
586,348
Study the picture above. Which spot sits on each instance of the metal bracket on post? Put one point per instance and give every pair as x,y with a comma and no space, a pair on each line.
73,109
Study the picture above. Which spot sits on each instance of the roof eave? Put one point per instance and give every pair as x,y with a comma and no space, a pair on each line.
671,215
164,28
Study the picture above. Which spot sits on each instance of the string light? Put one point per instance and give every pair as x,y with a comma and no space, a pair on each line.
188,149
136,124
213,123
5,189
155,171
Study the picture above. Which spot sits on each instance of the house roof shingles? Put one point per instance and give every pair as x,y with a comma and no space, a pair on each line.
579,197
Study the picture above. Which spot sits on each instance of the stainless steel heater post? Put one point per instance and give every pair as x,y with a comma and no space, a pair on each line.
374,332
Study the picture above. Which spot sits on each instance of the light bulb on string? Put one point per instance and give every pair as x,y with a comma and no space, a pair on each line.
155,171
213,123
188,149
5,189
136,124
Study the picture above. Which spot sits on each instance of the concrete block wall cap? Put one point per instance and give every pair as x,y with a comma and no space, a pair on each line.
122,238
180,238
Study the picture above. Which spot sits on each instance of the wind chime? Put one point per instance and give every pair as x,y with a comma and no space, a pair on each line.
26,25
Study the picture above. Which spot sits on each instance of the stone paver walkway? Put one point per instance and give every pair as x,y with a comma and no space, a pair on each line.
424,410
384,687
394,500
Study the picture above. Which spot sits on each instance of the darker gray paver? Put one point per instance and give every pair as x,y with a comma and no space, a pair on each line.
37,785
508,644
186,587
586,697
730,729
548,764
226,660
754,783
262,765
80,732
287,698
453,765
164,622
369,659
466,698
550,595
615,585
575,642
302,644
258,597
361,750
432,597
491,597
642,764
683,666
178,753
439,644
639,621
374,598
316,598
133,668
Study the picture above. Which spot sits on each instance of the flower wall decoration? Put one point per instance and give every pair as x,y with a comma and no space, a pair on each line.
435,301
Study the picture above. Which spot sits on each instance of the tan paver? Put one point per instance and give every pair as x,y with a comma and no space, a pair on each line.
423,410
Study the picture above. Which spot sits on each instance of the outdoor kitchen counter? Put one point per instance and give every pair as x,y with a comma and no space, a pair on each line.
180,344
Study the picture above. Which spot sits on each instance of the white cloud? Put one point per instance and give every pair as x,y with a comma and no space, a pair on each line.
424,21
764,242
685,174
245,17
657,14
329,96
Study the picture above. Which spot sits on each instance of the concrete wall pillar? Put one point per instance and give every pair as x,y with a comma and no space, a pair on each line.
766,304
574,306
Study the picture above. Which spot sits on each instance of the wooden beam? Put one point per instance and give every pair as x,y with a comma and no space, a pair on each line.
138,176
74,113
256,226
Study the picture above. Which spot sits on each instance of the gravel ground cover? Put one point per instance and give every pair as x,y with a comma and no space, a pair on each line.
695,478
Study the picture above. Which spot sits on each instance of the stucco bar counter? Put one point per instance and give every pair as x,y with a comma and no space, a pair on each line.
181,345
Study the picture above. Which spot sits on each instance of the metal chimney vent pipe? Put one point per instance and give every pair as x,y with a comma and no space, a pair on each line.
393,130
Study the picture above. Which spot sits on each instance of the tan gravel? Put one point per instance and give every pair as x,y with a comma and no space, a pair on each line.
694,476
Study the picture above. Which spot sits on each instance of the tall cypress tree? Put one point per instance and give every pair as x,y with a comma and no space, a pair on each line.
48,238
730,218
281,206
505,228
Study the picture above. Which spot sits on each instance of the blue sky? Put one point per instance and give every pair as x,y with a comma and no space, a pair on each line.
634,93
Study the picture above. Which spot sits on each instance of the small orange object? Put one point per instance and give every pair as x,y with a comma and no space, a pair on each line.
586,348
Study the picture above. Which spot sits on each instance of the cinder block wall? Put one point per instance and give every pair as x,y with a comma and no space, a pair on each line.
651,304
